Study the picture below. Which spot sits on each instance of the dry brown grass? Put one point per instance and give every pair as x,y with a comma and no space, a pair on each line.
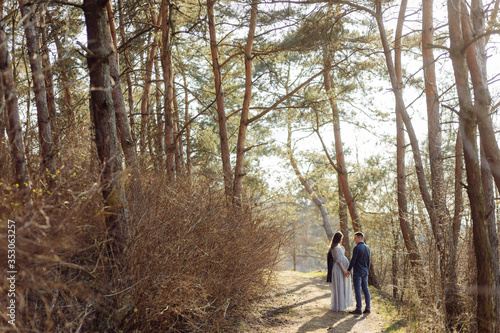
192,263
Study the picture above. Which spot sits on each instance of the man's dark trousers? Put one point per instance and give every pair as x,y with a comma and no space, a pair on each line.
361,282
360,263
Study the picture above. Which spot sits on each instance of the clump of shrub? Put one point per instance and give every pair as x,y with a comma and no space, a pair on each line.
193,262
196,260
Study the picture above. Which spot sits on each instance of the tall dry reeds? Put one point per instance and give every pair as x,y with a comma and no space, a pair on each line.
193,262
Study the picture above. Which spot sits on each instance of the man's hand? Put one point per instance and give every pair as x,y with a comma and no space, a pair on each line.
346,273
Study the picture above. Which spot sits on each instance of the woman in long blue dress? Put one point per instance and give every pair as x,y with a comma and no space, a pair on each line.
338,275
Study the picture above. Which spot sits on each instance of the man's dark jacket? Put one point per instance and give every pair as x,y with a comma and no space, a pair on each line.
360,259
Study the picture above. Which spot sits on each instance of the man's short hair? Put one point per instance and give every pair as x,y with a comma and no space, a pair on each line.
360,234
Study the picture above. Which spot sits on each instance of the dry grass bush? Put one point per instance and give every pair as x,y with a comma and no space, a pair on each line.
56,247
192,263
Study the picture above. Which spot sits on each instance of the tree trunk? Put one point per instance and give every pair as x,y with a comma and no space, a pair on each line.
339,152
309,190
159,135
48,165
489,195
186,121
63,65
341,168
485,275
343,220
99,59
179,153
476,61
128,145
400,106
128,70
168,77
406,229
395,263
4,154
13,121
240,147
224,144
49,84
445,234
145,111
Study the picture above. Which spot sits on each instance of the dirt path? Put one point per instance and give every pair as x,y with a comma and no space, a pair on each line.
302,304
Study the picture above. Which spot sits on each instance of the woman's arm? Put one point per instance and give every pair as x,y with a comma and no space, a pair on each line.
346,273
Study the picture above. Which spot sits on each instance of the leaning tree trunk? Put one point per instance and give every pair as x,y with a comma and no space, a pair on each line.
48,165
13,121
240,147
317,201
99,58
219,93
468,130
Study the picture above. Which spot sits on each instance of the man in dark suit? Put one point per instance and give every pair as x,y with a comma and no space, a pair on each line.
361,263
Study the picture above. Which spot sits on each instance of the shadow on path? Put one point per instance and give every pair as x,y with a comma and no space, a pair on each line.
286,309
332,322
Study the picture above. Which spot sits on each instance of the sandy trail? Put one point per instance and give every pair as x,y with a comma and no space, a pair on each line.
302,304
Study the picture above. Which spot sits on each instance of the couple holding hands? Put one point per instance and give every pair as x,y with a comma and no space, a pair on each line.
339,270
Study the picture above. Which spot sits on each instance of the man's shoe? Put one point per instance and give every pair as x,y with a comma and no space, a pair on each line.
356,312
366,311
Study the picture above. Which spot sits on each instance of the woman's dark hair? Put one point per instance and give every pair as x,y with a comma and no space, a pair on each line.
337,238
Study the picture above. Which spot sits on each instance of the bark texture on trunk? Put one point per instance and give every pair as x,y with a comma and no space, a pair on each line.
128,70
343,219
476,61
49,84
486,320
489,196
219,92
186,121
103,114
406,229
13,121
145,105
339,151
168,77
63,64
124,135
445,234
44,125
240,147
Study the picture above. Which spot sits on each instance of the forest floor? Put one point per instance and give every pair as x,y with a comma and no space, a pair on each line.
301,304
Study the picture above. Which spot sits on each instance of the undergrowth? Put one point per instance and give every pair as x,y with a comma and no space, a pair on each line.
192,262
